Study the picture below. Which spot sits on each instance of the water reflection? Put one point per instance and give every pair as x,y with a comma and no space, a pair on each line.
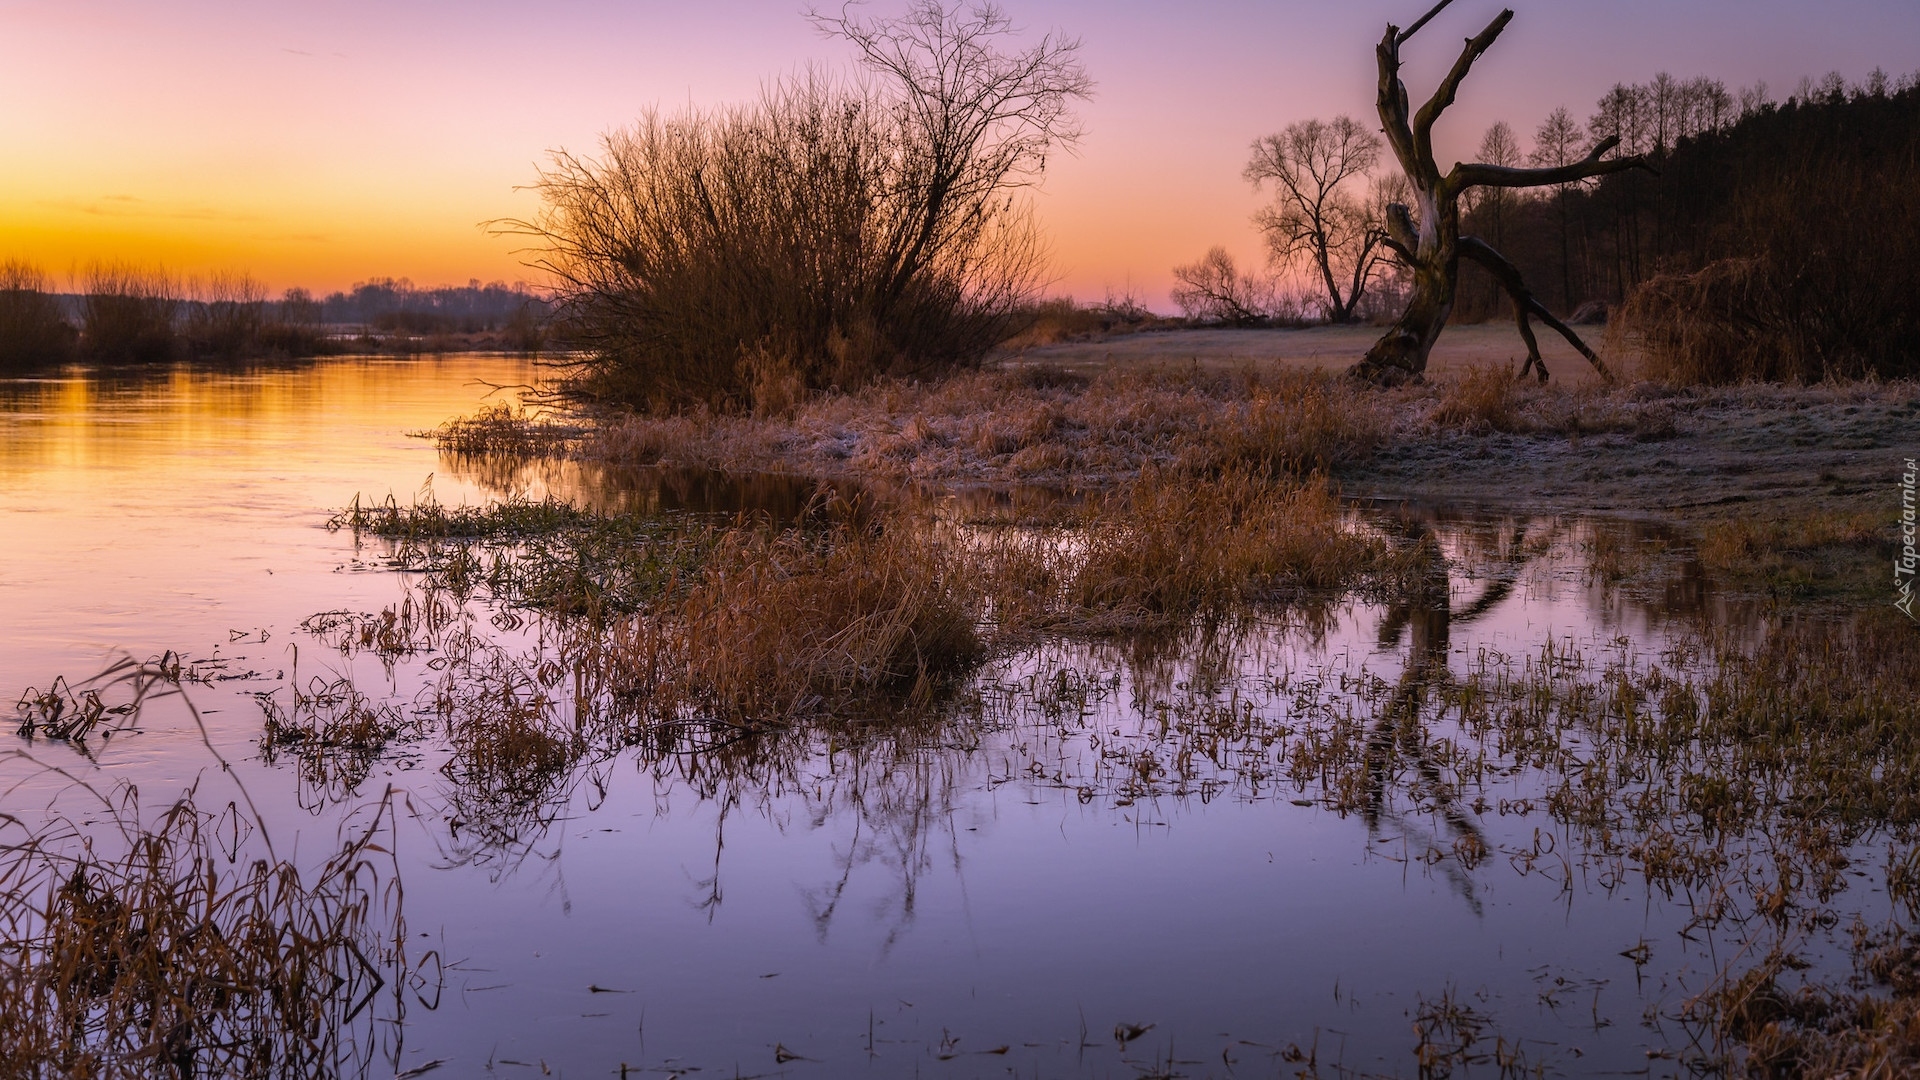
1208,830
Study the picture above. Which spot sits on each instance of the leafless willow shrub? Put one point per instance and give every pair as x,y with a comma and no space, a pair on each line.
820,237
226,316
128,314
33,330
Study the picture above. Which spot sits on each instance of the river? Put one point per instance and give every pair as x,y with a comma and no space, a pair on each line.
1013,895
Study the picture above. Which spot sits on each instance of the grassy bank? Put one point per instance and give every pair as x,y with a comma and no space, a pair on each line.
1789,486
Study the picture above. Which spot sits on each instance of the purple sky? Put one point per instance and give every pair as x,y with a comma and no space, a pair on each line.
321,144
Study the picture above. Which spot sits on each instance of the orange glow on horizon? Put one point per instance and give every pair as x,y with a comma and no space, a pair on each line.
324,145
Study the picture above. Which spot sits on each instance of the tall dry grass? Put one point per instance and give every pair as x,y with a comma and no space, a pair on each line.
140,948
1027,424
782,624
1167,549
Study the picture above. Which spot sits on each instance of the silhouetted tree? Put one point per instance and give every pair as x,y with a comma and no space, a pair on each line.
1556,145
1317,217
823,236
1431,245
1216,289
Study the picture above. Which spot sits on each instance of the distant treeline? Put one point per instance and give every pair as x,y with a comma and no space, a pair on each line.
131,315
390,304
1778,241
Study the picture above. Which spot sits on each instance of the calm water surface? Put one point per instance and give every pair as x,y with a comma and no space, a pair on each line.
993,898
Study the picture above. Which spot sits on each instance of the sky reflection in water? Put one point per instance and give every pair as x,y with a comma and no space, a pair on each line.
999,891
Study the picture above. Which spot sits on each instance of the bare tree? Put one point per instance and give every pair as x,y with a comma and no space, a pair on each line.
1431,245
977,121
1215,288
824,236
1491,206
1317,218
1557,144
33,330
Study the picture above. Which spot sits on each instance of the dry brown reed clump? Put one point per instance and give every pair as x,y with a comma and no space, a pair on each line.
1490,400
508,727
505,429
1167,549
151,950
1481,400
330,714
781,624
1736,321
60,711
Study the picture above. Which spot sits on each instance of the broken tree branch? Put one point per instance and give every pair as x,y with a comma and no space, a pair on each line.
1475,174
1443,95
1525,304
1402,37
1392,102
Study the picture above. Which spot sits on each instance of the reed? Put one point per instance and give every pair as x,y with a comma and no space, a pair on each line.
786,624
503,429
546,555
139,949
1167,549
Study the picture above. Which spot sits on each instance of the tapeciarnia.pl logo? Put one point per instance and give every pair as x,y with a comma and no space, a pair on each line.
1905,564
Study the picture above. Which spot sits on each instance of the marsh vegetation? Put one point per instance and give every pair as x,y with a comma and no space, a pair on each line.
1187,627
813,672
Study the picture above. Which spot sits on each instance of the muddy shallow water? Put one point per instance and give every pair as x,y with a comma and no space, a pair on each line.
1070,872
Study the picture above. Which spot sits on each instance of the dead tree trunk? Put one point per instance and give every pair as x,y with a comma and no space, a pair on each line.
1426,237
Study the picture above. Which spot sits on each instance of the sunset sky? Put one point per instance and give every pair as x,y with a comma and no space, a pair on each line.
322,144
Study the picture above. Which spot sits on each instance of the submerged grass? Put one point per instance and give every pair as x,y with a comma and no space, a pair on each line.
1741,773
755,624
1822,556
143,948
546,555
1158,553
